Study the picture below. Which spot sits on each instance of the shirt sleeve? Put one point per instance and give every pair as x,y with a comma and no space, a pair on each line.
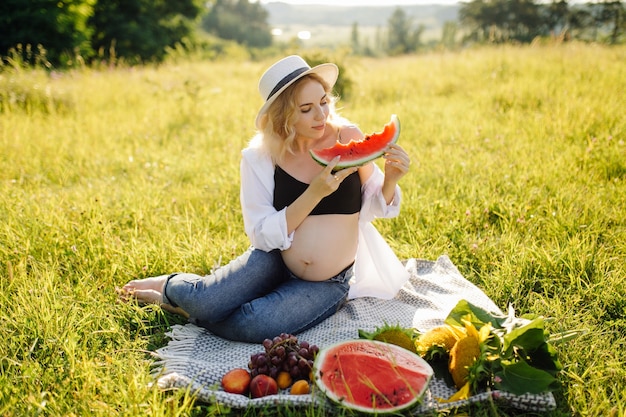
374,204
265,226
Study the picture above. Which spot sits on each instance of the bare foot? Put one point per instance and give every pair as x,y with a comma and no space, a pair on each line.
149,291
146,291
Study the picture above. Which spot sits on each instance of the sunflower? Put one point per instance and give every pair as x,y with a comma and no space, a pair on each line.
395,335
438,341
467,357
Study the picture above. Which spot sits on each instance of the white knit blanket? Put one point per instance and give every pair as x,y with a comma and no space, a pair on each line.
195,359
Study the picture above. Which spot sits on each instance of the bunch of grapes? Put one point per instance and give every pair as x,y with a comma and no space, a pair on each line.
284,354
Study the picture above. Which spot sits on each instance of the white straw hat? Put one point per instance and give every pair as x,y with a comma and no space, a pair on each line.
284,73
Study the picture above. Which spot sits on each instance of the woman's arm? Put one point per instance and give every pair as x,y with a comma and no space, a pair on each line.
397,163
265,226
381,194
375,204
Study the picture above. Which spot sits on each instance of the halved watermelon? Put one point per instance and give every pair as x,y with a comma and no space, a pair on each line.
371,376
355,153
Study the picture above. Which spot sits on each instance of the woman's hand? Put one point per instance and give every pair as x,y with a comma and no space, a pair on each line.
397,163
327,181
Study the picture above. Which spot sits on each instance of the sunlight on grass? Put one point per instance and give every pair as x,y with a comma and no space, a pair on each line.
519,171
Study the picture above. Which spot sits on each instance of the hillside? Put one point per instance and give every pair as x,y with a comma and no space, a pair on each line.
333,23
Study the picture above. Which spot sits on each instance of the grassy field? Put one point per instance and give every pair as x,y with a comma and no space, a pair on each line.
519,176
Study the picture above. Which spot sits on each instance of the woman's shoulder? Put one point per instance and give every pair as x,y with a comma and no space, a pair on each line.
346,130
349,132
256,145
256,142
256,149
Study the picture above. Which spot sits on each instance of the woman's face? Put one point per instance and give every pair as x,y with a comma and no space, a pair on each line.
312,109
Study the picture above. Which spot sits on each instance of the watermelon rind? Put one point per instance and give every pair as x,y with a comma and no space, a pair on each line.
382,382
324,156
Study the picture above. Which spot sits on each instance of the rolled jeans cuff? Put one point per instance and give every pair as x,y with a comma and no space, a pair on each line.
166,300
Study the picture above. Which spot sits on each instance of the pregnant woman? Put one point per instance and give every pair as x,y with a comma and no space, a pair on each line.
312,242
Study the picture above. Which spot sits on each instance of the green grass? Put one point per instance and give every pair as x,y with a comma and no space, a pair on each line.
519,175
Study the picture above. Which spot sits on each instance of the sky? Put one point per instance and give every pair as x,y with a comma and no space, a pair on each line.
363,2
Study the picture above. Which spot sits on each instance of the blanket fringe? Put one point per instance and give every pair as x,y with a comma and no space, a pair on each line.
169,366
182,342
174,356
180,332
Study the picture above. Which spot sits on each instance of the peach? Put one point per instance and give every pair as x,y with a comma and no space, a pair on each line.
300,387
237,381
262,385
284,380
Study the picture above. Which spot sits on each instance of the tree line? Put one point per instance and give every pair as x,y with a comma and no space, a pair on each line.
518,21
524,20
64,31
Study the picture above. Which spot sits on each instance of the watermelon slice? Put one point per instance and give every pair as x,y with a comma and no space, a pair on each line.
371,376
356,153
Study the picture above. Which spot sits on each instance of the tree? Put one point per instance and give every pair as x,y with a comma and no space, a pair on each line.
354,38
609,16
448,34
59,26
555,16
601,21
378,40
140,30
501,20
402,38
239,20
525,22
580,21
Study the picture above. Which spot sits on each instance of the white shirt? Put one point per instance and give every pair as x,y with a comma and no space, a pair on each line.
378,272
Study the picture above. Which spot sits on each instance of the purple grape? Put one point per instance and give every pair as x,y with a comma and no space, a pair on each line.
280,351
292,360
284,353
261,360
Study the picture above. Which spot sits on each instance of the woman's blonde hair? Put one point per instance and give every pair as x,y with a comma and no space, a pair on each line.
277,124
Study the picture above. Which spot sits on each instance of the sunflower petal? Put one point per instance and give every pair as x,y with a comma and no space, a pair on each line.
462,394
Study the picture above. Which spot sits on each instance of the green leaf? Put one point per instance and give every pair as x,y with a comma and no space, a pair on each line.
366,335
440,369
545,357
478,315
529,337
530,341
520,378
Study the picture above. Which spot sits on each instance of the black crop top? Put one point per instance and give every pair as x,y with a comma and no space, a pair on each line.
345,200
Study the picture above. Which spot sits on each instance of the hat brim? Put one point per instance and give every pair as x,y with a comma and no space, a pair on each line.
328,72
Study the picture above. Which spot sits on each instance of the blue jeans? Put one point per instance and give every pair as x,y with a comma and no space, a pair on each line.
256,297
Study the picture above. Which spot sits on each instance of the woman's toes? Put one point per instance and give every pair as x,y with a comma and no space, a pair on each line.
147,296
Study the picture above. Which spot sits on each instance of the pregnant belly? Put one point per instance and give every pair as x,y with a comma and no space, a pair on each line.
323,246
